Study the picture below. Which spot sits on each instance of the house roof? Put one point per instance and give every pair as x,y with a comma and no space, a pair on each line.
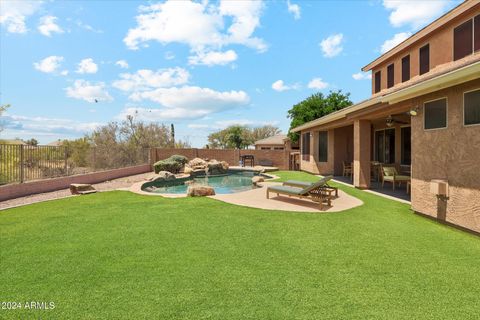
422,33
12,141
55,143
441,77
277,139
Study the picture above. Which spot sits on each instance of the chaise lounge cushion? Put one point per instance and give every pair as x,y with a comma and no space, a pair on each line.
397,178
286,190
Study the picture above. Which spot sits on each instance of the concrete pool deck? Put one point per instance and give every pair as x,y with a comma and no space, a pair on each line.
256,198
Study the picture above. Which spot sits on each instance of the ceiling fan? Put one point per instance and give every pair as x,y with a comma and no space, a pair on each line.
391,121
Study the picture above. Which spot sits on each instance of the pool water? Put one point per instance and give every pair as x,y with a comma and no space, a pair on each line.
224,184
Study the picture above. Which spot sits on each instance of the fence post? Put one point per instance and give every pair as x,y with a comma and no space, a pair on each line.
65,158
22,166
94,159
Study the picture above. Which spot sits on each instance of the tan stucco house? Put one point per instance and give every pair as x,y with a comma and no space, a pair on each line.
423,116
276,142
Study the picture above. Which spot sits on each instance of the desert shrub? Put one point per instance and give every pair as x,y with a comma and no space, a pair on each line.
178,158
167,165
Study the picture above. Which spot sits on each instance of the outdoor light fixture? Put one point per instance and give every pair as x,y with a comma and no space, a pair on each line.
413,112
390,121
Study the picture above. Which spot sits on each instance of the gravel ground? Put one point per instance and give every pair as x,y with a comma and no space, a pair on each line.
120,183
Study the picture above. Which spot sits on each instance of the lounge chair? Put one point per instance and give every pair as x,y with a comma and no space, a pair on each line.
317,192
390,174
304,184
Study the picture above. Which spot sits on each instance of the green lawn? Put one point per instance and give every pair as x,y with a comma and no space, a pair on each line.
118,255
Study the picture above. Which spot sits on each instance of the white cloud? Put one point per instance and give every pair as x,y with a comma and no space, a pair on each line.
122,64
212,58
64,73
49,64
13,14
169,55
391,43
280,86
88,27
147,79
415,13
84,90
26,127
187,102
218,125
332,46
362,76
317,83
294,9
87,66
48,26
198,24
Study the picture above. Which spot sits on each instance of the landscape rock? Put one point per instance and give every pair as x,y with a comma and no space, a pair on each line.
257,179
197,163
163,175
200,191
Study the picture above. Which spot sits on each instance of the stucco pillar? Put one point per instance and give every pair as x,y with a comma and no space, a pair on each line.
361,153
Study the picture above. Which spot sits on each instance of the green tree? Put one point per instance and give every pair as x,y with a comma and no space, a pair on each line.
32,142
259,133
236,136
314,107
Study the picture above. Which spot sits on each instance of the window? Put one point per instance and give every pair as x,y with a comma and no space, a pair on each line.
378,80
406,68
385,146
463,40
390,75
406,146
435,115
476,33
471,107
323,146
425,59
264,148
278,148
306,146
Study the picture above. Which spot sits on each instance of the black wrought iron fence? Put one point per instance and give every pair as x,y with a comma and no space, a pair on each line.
20,163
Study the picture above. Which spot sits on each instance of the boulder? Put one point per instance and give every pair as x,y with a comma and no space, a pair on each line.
187,170
257,179
82,188
215,167
163,175
225,165
197,163
200,191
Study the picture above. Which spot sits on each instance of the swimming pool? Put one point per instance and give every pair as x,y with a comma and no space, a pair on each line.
223,184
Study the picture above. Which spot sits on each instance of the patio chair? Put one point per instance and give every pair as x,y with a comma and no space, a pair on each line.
316,192
347,169
304,184
390,174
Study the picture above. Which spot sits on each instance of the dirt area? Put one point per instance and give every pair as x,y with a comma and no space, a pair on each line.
120,183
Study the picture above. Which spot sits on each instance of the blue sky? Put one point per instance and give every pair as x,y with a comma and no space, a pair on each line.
68,66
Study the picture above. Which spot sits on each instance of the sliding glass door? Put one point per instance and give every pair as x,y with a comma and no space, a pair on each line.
385,145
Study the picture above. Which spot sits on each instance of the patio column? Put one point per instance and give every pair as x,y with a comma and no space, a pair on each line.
361,153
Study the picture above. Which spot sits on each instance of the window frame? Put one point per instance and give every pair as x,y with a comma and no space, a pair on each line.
409,68
401,144
463,108
319,137
391,67
420,59
306,146
379,72
472,20
446,113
